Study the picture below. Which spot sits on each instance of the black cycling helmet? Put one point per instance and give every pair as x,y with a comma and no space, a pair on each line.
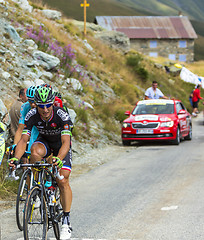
57,94
46,85
44,95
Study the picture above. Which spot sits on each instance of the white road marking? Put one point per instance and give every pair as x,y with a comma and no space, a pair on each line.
169,208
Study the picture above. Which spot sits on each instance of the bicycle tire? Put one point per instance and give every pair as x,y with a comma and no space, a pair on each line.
54,212
21,198
55,223
35,224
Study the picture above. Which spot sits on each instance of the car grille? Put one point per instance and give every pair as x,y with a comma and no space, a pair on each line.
148,125
147,135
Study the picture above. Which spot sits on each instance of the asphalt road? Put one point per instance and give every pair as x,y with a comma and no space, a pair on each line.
149,192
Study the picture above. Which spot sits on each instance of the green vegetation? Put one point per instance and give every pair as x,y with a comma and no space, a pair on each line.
135,62
8,189
192,8
72,9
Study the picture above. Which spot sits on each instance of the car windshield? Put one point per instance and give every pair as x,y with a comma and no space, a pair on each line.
149,108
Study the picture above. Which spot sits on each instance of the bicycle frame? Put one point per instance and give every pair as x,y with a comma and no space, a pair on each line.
31,182
40,183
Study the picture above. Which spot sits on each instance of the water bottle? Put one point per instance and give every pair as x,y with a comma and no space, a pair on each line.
52,199
48,182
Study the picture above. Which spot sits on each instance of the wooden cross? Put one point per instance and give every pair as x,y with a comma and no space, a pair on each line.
85,5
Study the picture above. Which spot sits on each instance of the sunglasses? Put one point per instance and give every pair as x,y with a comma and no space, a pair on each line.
45,105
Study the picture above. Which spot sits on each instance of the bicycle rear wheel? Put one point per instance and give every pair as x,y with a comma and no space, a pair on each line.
35,216
23,189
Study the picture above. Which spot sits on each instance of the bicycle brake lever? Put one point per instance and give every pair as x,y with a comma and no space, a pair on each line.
60,177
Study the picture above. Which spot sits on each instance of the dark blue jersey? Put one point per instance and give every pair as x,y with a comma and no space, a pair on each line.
59,124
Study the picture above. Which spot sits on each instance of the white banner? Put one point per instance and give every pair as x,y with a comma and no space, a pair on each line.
188,76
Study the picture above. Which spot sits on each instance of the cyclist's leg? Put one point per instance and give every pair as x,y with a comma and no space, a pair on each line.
65,189
39,150
65,196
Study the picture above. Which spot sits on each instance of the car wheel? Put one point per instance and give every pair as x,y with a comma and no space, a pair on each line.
126,143
178,139
189,136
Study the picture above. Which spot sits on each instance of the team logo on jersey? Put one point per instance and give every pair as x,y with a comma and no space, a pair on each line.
66,127
63,115
30,114
53,125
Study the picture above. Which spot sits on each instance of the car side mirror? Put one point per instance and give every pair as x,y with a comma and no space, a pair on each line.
127,113
182,111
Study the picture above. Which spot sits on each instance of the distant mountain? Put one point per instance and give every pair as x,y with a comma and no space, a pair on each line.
72,9
192,8
156,7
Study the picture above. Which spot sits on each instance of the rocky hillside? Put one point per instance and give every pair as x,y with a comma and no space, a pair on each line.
36,47
99,77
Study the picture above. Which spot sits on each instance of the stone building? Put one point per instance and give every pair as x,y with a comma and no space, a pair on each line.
171,37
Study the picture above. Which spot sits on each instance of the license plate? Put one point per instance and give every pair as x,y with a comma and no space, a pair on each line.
144,131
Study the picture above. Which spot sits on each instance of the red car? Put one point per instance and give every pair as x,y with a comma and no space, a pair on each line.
157,119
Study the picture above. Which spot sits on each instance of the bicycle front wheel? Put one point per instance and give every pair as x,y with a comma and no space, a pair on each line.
55,212
55,223
23,189
35,216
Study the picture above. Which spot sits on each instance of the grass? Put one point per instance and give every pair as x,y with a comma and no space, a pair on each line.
72,9
8,188
196,68
199,49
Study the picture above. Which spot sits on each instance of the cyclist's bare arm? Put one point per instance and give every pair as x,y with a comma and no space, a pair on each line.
18,133
21,146
65,147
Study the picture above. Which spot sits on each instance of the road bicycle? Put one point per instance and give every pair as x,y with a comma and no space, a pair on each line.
42,209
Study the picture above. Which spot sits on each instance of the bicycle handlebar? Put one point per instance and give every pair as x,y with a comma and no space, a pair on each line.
12,174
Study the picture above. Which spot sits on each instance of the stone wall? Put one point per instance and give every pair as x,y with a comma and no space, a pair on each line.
165,47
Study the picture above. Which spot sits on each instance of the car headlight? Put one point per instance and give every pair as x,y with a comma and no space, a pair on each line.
125,125
167,124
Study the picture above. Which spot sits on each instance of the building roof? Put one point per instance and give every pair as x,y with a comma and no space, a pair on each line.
162,27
